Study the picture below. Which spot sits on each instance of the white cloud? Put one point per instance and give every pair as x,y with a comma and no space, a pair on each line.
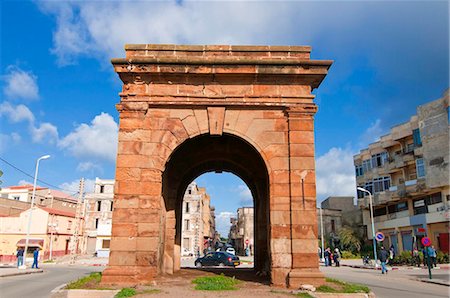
24,182
74,186
335,174
223,222
17,113
6,139
99,139
101,29
20,84
372,134
45,132
244,194
88,166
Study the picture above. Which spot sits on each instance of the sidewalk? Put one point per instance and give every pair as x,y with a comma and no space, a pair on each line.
12,271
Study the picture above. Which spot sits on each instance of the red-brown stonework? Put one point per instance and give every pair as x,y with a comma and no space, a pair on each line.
187,110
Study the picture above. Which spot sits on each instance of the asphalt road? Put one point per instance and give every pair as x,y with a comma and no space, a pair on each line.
39,285
397,283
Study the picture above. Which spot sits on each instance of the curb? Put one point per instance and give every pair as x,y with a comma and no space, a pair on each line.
22,273
434,281
369,268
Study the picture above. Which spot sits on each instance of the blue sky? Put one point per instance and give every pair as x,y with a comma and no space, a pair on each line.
58,89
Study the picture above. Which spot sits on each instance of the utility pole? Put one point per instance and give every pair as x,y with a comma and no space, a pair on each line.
76,231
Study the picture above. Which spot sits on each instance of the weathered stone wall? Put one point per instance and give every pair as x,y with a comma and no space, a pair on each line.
172,94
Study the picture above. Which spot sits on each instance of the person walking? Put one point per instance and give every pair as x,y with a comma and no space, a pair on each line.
35,258
392,252
384,255
19,257
433,256
337,257
327,256
416,256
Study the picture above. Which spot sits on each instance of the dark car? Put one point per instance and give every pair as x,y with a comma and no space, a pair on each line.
217,258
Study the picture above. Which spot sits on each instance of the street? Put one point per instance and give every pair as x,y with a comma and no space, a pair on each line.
397,283
41,284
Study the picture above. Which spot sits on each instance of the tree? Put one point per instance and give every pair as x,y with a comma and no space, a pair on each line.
349,240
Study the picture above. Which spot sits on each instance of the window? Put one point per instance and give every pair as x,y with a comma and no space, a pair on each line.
186,244
106,243
416,138
434,198
333,226
420,167
379,159
102,188
187,207
420,207
69,225
111,209
16,198
360,193
367,165
398,207
359,170
381,183
187,225
409,148
99,205
96,223
379,211
189,191
369,186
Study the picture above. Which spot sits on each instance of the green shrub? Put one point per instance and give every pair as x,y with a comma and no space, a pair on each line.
126,292
345,254
442,258
215,283
92,279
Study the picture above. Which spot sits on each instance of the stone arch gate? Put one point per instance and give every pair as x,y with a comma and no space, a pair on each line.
187,110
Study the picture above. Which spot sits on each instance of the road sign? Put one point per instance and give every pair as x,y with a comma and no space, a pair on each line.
246,241
379,236
426,241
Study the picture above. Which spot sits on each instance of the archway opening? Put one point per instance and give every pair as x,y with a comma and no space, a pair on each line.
217,223
203,154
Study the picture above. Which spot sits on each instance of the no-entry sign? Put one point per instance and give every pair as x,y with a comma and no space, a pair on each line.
426,241
379,236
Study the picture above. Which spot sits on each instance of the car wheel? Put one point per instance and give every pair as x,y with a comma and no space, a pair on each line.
198,265
221,265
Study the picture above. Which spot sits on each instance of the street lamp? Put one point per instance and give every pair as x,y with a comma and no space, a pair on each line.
31,208
373,226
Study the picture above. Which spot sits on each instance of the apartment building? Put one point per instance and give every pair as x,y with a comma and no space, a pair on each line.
242,231
407,171
198,224
98,217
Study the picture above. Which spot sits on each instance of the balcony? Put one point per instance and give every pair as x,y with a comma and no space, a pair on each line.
382,197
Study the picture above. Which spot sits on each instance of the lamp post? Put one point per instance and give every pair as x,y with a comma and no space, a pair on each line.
373,226
53,226
31,208
321,234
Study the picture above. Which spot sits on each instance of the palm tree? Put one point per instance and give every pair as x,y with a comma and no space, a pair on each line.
349,239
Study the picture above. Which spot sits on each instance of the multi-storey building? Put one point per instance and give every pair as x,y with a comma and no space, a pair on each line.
198,226
407,171
242,231
98,218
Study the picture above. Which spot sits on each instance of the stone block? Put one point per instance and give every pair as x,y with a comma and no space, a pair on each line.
147,258
301,137
305,260
124,230
128,174
123,243
150,202
145,229
303,163
148,215
304,245
279,190
126,202
280,231
302,150
279,277
147,243
280,246
281,260
304,231
280,203
304,217
125,215
280,217
312,276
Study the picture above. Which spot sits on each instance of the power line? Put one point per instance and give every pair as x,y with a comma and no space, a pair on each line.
32,177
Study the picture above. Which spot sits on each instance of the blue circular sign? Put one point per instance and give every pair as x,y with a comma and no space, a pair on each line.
379,236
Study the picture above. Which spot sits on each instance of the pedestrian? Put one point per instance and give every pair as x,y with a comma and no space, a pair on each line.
327,257
425,256
35,258
384,256
337,257
319,252
392,252
416,256
433,256
19,257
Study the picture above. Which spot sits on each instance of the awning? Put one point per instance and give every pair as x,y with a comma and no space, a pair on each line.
31,243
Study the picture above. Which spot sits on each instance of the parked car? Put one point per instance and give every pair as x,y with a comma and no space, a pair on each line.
231,250
217,258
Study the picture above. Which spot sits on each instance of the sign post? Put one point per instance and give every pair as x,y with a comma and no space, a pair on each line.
427,242
379,236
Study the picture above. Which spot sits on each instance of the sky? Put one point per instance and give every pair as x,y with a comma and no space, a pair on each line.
58,88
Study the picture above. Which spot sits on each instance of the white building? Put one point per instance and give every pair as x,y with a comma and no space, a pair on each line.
99,206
